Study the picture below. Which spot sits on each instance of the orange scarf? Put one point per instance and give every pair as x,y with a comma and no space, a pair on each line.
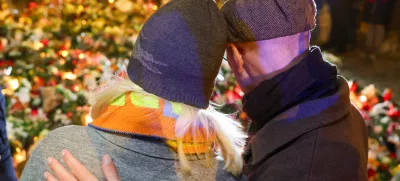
147,115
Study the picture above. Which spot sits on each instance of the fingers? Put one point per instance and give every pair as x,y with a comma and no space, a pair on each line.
77,168
59,170
238,58
49,177
108,168
79,171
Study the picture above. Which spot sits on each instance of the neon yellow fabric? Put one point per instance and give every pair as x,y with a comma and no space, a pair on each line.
119,101
176,108
144,100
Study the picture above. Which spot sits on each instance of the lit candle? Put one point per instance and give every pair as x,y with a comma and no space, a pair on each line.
155,7
13,83
64,53
76,88
88,119
81,56
69,76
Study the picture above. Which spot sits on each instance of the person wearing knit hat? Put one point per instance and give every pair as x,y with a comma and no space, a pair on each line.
157,123
304,127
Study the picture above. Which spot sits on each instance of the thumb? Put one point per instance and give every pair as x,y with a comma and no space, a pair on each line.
108,168
237,57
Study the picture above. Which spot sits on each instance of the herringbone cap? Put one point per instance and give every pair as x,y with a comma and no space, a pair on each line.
255,20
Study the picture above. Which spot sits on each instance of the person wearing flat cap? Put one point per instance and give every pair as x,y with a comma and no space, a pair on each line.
304,127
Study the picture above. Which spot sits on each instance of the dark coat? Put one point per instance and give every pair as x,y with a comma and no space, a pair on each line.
6,165
323,139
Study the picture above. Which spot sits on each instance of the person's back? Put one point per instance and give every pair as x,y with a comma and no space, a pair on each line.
136,158
156,120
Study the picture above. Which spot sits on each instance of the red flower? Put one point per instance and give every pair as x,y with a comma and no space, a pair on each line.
371,173
63,47
6,63
366,107
45,42
32,5
387,95
393,113
232,96
34,112
69,114
353,86
17,106
238,91
51,82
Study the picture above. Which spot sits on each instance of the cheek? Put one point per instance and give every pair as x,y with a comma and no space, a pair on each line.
251,65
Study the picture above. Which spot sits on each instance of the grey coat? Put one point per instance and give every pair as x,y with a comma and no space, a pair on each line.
141,159
319,140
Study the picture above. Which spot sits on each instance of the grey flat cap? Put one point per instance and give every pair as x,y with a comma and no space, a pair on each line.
256,20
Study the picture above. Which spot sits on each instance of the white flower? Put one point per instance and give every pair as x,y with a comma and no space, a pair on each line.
10,131
63,119
372,154
13,101
66,121
90,81
385,120
73,97
42,115
13,132
386,160
23,95
28,110
26,83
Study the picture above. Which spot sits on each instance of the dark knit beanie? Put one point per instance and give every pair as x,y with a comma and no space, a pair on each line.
179,51
256,20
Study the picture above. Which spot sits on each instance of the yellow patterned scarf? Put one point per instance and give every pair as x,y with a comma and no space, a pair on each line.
147,115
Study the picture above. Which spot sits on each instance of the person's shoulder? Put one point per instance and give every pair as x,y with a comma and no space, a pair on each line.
68,130
67,135
74,138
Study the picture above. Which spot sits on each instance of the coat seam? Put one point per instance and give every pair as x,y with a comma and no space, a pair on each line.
313,154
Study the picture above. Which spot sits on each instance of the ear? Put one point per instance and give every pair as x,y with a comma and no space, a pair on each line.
238,57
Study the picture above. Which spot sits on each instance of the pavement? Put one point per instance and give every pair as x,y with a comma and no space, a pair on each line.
383,72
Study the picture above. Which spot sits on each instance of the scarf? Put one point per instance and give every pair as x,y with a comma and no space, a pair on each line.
138,114
311,78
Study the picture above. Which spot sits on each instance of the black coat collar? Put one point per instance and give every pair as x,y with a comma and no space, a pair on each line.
309,79
299,120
